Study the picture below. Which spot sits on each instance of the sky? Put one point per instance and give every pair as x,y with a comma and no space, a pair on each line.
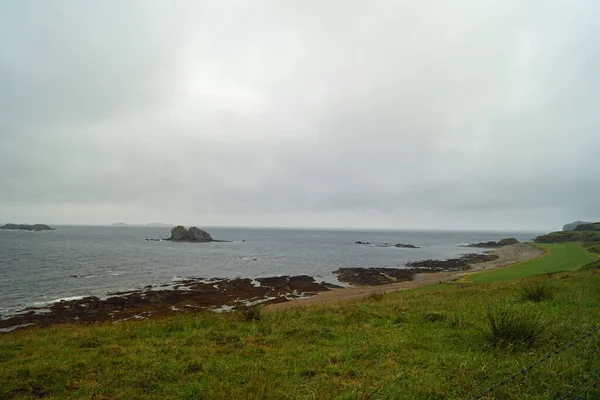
417,114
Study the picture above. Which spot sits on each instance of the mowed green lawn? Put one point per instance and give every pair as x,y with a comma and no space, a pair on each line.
559,257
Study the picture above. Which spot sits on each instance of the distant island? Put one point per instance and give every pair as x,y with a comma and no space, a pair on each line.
27,227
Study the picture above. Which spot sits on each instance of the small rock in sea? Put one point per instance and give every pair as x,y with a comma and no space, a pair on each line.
406,246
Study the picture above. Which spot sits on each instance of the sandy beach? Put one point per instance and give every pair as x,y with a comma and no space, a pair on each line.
507,255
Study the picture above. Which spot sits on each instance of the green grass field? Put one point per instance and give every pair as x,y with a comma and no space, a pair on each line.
559,257
419,344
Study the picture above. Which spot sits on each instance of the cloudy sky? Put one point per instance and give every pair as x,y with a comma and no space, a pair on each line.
463,114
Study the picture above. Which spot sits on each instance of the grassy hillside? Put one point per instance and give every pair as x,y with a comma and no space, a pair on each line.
559,257
421,344
570,236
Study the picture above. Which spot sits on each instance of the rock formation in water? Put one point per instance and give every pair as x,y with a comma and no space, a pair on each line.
26,227
398,245
181,234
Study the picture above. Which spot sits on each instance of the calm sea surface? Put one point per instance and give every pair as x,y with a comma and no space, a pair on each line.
41,267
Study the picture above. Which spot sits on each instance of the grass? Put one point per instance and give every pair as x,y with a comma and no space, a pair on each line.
536,292
383,349
512,328
559,257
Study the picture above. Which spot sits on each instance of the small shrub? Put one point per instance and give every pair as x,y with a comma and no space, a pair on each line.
536,292
511,328
434,317
251,314
375,296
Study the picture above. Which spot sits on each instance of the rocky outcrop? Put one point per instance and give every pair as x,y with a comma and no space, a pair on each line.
181,234
25,227
375,276
573,225
500,243
406,246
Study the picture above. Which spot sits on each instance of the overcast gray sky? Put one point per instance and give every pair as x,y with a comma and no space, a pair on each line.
464,114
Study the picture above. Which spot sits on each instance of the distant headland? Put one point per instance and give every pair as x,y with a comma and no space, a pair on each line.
27,227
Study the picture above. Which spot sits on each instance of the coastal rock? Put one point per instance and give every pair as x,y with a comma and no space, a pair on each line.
500,243
181,234
381,276
193,295
406,246
399,245
26,227
200,235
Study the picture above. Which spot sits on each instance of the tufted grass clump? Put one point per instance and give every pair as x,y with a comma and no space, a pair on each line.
251,314
512,328
536,292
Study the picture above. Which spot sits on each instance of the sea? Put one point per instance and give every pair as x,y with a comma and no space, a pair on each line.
39,268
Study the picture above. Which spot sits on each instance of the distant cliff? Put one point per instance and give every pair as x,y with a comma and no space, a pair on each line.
25,227
573,225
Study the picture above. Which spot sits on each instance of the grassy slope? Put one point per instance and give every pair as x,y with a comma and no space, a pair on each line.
559,257
376,348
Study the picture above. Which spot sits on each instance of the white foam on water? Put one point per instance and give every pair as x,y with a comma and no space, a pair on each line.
12,328
222,309
47,303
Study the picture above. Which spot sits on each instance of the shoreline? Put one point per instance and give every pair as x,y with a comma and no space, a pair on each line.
507,256
274,293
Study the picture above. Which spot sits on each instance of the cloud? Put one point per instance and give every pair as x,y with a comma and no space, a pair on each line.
402,114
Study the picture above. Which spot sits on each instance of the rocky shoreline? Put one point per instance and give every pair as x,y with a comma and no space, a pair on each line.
220,295
187,296
376,276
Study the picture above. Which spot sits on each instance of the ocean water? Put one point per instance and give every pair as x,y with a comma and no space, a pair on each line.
37,268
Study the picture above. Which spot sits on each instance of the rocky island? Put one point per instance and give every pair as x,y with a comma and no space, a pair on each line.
181,234
27,227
